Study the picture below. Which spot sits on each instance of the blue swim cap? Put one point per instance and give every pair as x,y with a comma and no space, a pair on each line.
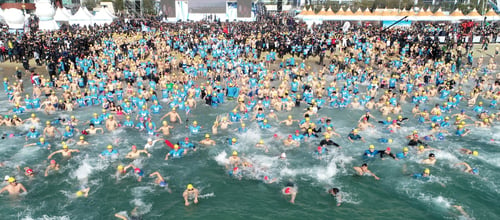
163,184
382,140
427,138
475,171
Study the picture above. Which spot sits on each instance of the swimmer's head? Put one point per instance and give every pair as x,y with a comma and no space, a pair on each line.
388,149
415,132
33,115
207,136
389,141
134,147
290,136
65,146
176,147
233,140
421,147
405,149
164,123
235,153
128,116
82,137
355,131
475,171
11,180
243,125
400,117
52,162
371,147
389,119
283,155
475,153
109,147
261,141
427,171
47,122
327,136
79,194
137,170
289,117
119,168
189,186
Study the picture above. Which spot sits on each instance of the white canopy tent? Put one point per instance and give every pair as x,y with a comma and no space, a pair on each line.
14,18
60,16
103,16
1,14
81,18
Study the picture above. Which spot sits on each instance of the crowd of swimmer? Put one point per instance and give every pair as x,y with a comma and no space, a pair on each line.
186,68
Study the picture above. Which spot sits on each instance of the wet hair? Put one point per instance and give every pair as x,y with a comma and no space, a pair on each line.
364,165
259,109
91,124
334,190
432,155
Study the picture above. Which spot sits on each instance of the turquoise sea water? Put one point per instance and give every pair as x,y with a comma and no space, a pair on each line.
395,196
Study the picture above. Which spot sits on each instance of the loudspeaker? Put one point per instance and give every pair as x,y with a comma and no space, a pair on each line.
280,5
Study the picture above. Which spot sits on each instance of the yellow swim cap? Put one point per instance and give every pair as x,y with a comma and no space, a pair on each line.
120,167
355,131
82,137
475,153
389,118
164,122
42,139
47,122
65,146
11,179
110,147
207,135
415,132
405,149
372,147
235,153
427,171
195,122
290,117
242,125
176,146
390,140
265,120
33,115
261,141
421,147
79,194
233,140
189,186
327,136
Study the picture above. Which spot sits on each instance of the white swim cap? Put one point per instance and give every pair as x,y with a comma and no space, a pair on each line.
283,155
6,178
149,139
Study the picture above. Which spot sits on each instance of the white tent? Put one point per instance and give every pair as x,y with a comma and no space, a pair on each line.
81,18
60,16
67,12
14,18
45,12
1,14
102,17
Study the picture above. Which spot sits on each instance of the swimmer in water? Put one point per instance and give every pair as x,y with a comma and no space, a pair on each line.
176,152
134,215
134,154
262,145
65,152
173,116
468,168
52,166
82,141
14,188
431,160
291,190
234,160
190,193
83,192
469,152
336,193
137,171
207,141
160,180
354,136
109,152
364,170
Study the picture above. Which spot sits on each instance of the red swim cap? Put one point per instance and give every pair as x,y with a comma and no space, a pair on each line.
137,170
29,171
266,178
287,190
52,161
388,149
289,136
236,168
296,131
134,147
186,138
319,148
